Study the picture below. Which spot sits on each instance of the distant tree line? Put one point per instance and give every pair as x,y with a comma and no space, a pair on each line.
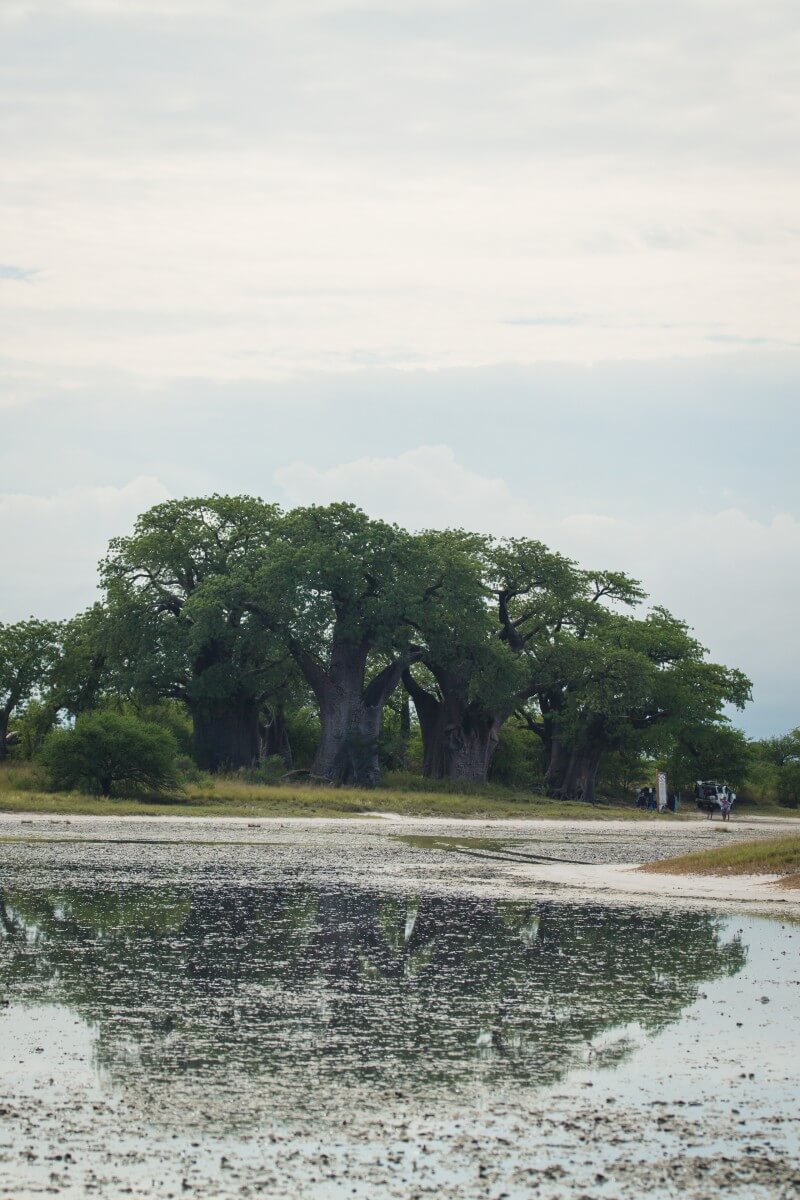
253,620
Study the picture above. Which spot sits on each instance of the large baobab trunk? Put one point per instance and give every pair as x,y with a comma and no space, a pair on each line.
459,738
431,717
226,734
470,746
350,713
580,776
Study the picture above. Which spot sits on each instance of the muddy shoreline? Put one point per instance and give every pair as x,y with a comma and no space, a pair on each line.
581,859
702,1104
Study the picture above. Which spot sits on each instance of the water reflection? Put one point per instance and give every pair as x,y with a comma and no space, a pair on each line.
252,1000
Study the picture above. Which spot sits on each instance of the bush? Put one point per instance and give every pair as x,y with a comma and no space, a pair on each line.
518,760
32,727
107,752
269,771
189,772
789,785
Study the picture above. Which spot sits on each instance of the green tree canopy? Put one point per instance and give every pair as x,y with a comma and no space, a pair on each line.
349,596
183,629
643,678
246,614
28,653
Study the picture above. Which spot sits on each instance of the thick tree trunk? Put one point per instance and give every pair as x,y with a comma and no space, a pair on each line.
458,738
5,736
350,713
348,749
226,734
275,738
430,714
581,774
471,745
557,764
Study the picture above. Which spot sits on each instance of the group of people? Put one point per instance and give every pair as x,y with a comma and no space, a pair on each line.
712,796
647,798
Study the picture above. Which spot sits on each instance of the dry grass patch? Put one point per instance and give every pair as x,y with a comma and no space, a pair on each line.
773,856
21,791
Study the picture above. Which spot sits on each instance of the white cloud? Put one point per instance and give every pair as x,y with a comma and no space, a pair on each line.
735,579
236,189
52,544
230,266
423,488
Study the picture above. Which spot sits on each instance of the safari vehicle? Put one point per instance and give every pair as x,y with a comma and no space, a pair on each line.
709,795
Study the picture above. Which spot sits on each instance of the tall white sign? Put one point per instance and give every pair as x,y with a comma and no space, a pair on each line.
661,791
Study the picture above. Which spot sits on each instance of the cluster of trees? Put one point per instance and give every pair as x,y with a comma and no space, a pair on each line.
246,615
776,766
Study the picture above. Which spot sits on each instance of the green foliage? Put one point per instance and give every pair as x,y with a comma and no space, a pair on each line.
270,771
789,784
780,750
302,724
28,653
622,771
188,772
332,573
645,680
31,727
518,760
774,771
714,750
236,613
109,752
167,714
177,603
82,674
178,594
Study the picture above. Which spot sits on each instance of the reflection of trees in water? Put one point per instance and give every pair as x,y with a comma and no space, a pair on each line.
193,988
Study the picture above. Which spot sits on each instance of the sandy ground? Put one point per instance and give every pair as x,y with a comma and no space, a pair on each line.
591,859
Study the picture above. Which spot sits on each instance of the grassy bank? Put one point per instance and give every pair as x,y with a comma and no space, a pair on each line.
777,856
234,797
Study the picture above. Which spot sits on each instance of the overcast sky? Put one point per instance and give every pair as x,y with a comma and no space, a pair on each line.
515,265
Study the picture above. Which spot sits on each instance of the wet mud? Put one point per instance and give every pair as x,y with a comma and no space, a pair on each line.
322,1010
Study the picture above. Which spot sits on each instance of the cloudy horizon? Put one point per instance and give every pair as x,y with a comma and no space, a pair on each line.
526,268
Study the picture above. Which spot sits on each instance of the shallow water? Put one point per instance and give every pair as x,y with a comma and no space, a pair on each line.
270,1026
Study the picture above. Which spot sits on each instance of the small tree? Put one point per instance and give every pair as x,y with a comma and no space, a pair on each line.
106,751
31,727
789,784
28,651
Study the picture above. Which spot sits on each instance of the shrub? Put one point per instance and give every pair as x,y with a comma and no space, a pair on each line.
32,727
789,785
107,751
518,760
189,772
270,771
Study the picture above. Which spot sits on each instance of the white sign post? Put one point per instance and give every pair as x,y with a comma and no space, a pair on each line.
661,791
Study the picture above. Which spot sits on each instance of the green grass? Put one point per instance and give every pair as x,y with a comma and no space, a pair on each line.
775,856
21,791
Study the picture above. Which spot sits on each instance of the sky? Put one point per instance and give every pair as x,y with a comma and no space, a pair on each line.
504,264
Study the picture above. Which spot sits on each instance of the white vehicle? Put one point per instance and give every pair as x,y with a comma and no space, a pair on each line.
709,795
